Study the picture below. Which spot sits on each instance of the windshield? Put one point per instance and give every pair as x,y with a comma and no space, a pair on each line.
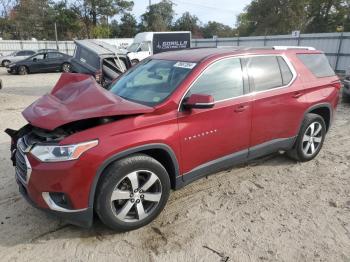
134,47
152,81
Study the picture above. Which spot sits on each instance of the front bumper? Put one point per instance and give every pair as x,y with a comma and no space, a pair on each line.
12,70
59,188
82,217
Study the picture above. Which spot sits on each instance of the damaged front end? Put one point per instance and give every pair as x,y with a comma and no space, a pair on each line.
76,103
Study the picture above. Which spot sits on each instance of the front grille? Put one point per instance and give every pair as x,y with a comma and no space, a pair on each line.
23,168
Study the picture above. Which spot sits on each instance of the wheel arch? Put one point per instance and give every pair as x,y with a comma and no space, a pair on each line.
324,110
161,152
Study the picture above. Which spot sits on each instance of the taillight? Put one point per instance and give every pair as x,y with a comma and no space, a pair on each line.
98,76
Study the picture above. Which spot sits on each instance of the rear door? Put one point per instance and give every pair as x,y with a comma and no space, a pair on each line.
54,61
209,135
279,101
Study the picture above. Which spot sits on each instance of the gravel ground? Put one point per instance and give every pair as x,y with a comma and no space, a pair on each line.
273,209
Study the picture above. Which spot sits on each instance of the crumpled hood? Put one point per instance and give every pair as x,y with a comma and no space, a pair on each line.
78,97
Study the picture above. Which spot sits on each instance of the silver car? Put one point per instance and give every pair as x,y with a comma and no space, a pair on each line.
15,57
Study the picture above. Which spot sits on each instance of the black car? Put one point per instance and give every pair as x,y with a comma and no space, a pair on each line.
99,59
41,63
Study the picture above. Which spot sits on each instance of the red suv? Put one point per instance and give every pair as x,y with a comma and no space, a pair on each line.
172,119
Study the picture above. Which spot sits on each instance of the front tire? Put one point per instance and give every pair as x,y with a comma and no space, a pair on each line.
134,62
23,70
132,193
310,139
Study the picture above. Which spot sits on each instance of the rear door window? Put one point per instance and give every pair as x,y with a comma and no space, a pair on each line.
54,55
264,72
21,53
318,64
287,75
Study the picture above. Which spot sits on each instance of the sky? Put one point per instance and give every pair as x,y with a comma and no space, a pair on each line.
223,11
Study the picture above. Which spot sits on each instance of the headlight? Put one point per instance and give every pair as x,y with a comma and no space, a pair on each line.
55,153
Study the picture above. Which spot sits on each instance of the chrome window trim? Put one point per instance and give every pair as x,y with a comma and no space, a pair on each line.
284,57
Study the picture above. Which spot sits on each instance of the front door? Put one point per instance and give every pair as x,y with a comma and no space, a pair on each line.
210,135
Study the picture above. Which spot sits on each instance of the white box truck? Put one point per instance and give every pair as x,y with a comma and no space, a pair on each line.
148,43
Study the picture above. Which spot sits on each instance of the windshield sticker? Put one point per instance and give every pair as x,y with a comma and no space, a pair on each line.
185,65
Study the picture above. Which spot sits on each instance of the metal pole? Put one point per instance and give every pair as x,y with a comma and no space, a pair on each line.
150,3
339,50
56,36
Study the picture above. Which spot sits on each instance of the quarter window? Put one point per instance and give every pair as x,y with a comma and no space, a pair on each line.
265,72
222,80
318,64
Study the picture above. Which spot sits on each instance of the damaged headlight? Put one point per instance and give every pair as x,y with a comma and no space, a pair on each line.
56,153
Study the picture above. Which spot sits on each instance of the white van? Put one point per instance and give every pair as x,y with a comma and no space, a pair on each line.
148,43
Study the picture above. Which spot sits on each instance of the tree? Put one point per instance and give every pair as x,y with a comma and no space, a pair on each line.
33,18
188,22
90,12
68,24
159,17
263,17
283,16
114,28
326,15
214,28
128,26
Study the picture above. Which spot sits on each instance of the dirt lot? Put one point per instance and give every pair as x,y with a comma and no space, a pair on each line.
270,210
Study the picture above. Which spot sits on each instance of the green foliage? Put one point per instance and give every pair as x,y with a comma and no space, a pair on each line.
283,16
100,31
217,29
68,24
188,22
158,17
25,19
128,26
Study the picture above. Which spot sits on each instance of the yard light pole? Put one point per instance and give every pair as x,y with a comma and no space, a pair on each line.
56,36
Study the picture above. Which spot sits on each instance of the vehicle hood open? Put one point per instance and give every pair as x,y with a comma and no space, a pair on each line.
78,97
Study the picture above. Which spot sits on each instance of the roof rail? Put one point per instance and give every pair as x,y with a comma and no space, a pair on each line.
294,47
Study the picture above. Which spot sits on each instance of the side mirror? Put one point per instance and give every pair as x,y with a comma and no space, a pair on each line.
35,59
199,101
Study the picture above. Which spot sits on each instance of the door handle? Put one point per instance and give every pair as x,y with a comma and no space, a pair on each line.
297,94
241,108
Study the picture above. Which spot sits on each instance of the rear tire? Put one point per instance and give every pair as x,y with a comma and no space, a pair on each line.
310,139
132,193
66,67
23,70
5,63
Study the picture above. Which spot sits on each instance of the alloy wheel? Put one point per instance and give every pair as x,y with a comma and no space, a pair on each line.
66,68
136,196
312,139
